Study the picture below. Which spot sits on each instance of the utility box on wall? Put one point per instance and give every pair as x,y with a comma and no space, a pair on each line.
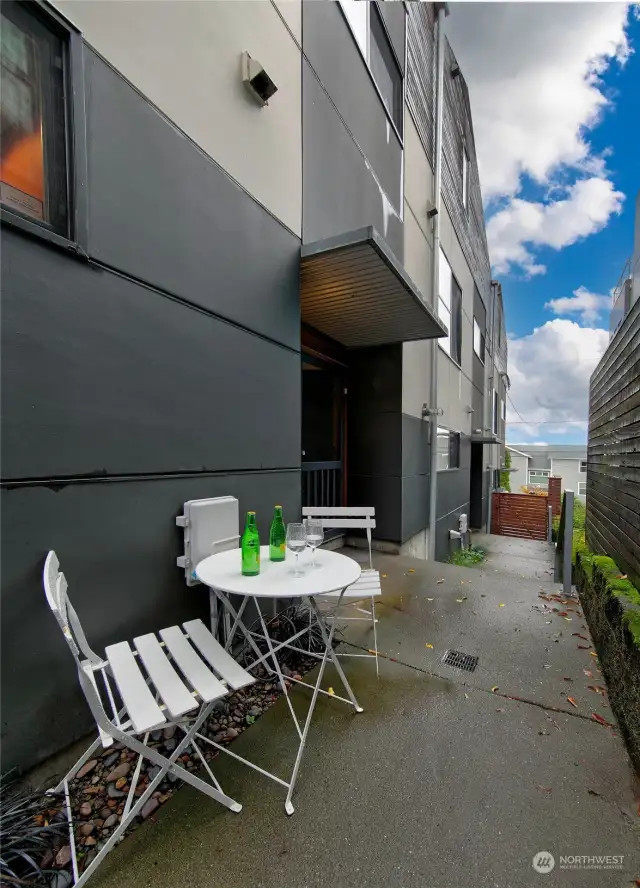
209,525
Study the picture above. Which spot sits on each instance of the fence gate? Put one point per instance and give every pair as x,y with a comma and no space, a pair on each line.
520,515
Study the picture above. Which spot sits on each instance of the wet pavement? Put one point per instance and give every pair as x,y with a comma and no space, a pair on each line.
445,780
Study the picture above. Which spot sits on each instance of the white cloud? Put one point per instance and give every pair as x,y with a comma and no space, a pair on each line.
583,302
534,76
521,225
549,371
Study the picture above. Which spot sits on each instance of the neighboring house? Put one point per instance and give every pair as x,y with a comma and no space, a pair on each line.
613,479
519,476
207,295
568,461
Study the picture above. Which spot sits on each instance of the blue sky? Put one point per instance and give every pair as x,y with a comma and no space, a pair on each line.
555,99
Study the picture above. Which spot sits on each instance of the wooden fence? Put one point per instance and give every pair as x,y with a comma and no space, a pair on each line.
520,515
613,467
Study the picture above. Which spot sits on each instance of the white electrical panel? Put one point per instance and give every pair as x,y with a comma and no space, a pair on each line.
210,525
463,524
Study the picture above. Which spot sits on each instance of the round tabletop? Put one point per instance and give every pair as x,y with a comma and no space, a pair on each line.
333,572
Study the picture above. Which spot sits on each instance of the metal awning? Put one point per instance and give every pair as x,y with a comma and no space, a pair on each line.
353,289
487,438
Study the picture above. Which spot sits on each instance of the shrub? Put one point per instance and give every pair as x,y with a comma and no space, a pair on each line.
505,477
468,557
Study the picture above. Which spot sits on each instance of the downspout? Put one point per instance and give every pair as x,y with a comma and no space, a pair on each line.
443,10
488,418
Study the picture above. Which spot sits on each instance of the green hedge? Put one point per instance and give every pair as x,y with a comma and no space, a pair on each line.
603,571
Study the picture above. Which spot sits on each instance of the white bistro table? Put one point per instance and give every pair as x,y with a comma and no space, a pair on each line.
333,573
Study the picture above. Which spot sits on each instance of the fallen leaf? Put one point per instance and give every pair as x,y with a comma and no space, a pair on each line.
568,619
572,701
494,689
545,788
440,581
331,692
593,653
462,582
466,696
577,635
588,673
547,666
430,646
562,613
622,577
411,570
460,600
384,576
544,733
583,647
501,605
545,597
567,679
594,793
430,599
499,710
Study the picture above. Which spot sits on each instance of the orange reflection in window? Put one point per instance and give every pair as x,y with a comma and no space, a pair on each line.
22,166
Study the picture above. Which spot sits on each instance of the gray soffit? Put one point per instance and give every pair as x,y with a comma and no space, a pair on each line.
353,289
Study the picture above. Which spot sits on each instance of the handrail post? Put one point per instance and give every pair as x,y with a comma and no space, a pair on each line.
567,544
550,524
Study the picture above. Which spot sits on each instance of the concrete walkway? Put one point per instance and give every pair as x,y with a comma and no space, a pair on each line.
441,782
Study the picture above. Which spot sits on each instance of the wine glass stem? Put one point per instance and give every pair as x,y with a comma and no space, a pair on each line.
297,571
313,556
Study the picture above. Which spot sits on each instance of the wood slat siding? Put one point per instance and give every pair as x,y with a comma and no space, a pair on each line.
457,128
613,453
520,515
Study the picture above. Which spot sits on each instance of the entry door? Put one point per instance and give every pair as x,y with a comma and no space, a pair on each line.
323,433
475,494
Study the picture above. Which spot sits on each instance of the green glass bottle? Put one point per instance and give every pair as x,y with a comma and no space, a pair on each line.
250,545
277,536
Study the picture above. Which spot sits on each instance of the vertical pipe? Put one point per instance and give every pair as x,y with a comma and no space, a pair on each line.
437,183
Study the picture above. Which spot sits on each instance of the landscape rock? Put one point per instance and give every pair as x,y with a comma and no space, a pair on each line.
111,759
121,783
114,793
63,857
86,769
148,809
153,772
255,711
85,809
119,771
170,745
90,841
231,734
169,732
87,828
110,821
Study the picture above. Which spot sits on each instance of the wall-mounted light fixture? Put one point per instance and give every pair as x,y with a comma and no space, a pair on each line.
258,83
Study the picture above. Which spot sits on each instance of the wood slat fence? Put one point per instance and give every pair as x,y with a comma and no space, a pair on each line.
520,515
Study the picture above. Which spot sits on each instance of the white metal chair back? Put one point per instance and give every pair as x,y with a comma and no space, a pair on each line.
55,586
337,517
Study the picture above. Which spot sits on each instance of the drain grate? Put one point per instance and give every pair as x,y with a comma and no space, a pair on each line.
460,661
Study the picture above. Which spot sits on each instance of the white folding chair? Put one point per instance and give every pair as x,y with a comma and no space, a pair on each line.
368,586
187,672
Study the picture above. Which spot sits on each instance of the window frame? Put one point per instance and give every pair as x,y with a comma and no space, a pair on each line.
74,123
365,52
580,485
583,462
482,342
466,166
541,473
494,412
453,323
453,449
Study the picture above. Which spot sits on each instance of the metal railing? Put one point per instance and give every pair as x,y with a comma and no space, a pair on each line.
322,483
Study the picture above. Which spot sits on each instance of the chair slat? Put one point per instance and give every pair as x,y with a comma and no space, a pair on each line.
215,654
367,586
143,710
177,698
355,523
196,671
338,511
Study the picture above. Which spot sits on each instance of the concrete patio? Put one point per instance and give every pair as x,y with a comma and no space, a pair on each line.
441,782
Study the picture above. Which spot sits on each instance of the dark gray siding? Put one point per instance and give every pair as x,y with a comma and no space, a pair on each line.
117,543
454,488
165,367
613,456
421,72
352,158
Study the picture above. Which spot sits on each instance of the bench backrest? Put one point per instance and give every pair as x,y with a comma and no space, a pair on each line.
338,517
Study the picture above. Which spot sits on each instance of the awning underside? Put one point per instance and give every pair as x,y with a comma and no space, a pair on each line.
355,290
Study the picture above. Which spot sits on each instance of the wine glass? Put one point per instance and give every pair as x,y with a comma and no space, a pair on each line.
297,542
315,536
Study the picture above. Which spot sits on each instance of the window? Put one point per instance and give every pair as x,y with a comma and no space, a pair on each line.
582,488
583,466
33,166
503,408
450,309
370,35
465,177
448,445
539,477
478,341
494,413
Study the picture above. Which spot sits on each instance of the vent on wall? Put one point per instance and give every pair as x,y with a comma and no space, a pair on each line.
256,80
